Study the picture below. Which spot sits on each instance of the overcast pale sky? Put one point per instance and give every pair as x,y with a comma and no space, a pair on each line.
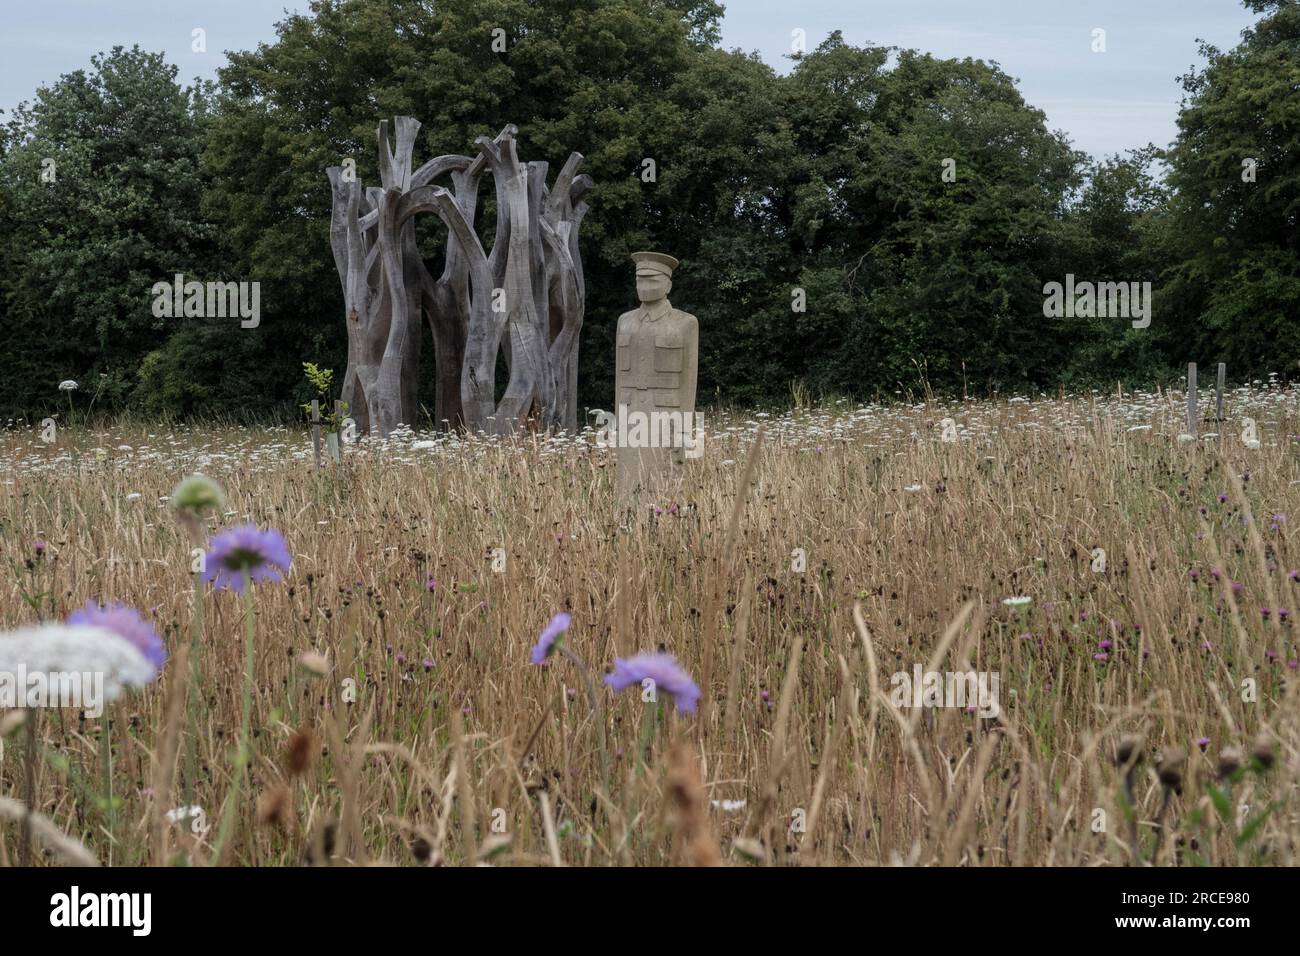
1106,102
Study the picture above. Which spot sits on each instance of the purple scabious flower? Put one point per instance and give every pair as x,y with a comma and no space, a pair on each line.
668,676
547,641
127,623
263,554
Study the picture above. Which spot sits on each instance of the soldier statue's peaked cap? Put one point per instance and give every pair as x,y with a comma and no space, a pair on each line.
654,263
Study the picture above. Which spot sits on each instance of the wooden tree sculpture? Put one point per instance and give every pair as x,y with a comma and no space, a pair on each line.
525,299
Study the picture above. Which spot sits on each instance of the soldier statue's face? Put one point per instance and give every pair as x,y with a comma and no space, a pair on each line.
652,288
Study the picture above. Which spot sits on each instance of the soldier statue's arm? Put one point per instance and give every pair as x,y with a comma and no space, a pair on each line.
691,365
620,330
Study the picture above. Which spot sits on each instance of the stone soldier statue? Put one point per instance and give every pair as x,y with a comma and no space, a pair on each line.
658,360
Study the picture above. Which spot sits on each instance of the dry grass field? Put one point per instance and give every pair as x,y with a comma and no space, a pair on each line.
1148,709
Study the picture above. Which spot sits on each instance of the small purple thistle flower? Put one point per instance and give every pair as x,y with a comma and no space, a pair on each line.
39,545
127,623
1105,645
1101,656
548,640
428,664
668,676
1203,742
263,554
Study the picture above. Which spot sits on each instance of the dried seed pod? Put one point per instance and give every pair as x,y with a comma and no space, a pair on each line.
1129,746
1230,760
314,663
1171,766
298,752
275,808
1263,751
421,849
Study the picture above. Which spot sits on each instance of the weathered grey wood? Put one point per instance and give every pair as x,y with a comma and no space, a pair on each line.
1218,395
1191,398
339,415
315,430
565,297
534,258
523,325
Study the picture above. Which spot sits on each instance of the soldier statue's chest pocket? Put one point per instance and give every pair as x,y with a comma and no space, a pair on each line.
669,350
624,351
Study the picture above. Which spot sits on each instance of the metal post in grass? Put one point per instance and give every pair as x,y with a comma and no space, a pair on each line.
315,429
1191,398
1218,396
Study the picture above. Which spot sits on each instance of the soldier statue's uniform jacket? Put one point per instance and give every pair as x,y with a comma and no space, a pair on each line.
658,359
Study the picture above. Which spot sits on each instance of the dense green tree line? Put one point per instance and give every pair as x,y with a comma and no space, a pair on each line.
875,220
